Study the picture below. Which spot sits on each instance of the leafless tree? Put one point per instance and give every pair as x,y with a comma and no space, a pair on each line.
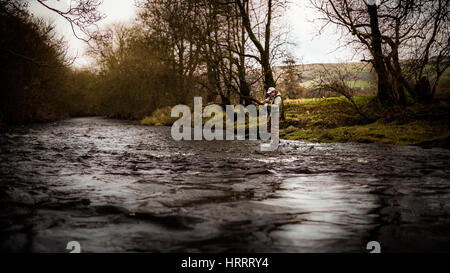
218,43
258,15
170,27
81,14
338,80
401,36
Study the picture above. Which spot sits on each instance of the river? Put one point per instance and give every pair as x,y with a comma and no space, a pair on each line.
116,186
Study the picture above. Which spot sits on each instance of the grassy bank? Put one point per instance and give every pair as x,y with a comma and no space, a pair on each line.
162,117
336,120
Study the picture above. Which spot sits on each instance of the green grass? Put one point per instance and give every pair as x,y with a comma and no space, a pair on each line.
160,117
391,133
362,84
325,113
333,120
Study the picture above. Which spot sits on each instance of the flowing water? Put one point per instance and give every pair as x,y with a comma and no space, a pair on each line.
115,186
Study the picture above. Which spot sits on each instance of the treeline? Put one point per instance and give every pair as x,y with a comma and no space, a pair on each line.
222,50
178,49
134,78
36,81
225,51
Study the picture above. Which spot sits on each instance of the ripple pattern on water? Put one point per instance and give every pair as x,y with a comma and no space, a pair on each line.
115,186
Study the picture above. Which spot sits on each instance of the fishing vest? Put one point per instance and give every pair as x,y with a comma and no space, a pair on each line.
282,115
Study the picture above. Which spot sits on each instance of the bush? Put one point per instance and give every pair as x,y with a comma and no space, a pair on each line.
160,117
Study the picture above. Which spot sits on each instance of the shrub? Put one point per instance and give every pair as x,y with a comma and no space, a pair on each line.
160,117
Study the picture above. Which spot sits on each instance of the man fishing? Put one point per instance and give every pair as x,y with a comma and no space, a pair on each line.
274,98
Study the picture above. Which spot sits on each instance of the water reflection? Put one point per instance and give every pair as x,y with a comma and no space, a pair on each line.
330,210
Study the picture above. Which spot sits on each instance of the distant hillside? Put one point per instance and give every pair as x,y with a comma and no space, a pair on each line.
362,77
434,59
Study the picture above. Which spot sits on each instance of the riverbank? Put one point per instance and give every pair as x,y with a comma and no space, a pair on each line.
336,120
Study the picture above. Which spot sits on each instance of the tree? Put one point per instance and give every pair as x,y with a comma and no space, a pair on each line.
208,42
337,80
133,80
170,27
291,77
33,67
226,52
262,47
400,36
81,14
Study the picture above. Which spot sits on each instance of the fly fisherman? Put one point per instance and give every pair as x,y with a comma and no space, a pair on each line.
275,98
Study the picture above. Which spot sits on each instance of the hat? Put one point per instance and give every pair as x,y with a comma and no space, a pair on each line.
270,90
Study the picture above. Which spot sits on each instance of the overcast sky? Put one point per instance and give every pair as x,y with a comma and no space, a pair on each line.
310,48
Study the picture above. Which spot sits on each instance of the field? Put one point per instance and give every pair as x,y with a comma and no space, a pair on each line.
360,77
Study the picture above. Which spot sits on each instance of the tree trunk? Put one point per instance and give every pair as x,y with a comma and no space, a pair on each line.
268,74
264,51
384,83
